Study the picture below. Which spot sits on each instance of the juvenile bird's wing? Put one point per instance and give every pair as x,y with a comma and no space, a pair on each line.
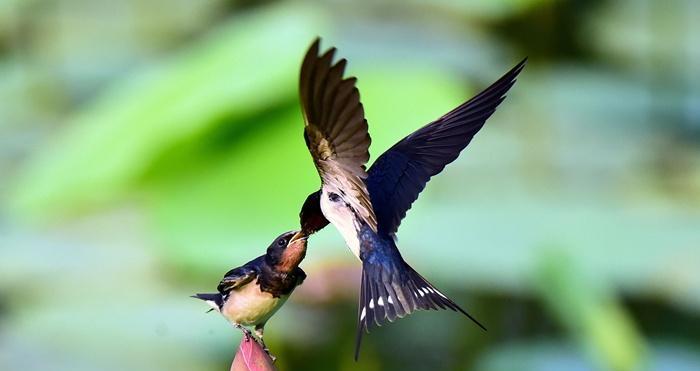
236,277
335,129
401,173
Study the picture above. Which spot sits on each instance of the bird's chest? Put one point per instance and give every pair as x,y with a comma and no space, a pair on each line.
344,220
249,306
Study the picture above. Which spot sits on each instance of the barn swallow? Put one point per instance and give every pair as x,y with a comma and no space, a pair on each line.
250,294
366,207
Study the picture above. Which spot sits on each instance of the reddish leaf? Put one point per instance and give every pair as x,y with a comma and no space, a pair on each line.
251,357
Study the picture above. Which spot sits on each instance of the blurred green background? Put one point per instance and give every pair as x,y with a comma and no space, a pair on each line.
146,147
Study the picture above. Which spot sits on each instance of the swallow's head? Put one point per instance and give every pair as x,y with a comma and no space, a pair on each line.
287,251
311,215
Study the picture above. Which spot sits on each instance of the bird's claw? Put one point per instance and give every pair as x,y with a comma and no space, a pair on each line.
266,349
273,358
247,334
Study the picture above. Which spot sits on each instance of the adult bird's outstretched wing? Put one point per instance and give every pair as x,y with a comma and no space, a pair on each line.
401,173
335,129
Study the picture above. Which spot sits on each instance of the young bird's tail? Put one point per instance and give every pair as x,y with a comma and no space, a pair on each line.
215,301
391,289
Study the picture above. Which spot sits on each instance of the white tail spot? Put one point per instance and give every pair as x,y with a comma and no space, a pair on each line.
371,303
362,315
389,300
213,305
421,292
380,301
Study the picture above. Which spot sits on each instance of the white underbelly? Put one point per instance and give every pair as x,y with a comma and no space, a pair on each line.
344,221
249,306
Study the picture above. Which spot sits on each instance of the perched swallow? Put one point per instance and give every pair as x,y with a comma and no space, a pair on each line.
249,295
367,207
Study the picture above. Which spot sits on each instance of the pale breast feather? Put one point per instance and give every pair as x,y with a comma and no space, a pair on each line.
248,305
344,220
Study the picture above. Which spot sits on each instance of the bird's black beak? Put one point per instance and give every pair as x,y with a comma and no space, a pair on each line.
298,236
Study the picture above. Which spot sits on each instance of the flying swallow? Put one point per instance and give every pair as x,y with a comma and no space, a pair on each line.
250,294
366,207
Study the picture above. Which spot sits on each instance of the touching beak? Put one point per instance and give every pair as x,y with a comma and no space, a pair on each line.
298,236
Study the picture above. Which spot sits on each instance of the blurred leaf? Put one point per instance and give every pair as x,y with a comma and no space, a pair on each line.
626,31
590,314
234,202
557,355
493,9
479,9
251,357
246,66
238,188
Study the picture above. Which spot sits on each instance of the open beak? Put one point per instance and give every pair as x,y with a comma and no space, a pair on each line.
298,236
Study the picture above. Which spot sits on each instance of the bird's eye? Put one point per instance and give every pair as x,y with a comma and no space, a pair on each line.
333,197
281,242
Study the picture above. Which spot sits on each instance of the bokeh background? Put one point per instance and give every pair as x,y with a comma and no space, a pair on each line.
146,147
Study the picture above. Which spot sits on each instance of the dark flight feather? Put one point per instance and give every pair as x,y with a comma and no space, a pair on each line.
401,173
238,277
335,128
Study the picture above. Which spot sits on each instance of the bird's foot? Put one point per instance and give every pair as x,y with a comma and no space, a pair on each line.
272,357
247,334
267,350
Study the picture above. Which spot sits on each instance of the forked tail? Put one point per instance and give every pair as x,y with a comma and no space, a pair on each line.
215,301
390,291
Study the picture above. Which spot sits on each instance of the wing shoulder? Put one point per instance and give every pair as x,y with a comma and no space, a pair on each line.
238,277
